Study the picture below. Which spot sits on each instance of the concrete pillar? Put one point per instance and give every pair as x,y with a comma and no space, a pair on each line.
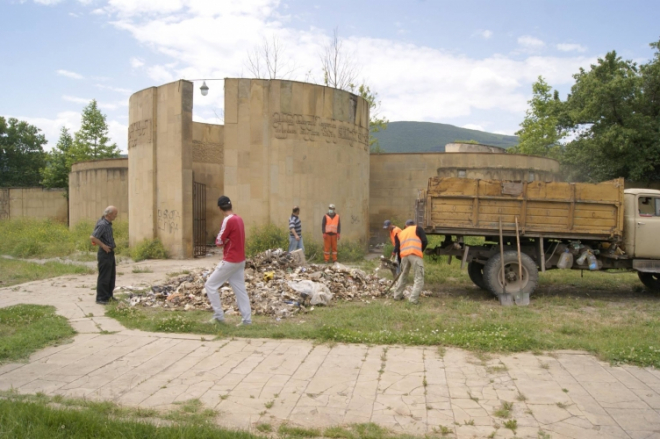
160,167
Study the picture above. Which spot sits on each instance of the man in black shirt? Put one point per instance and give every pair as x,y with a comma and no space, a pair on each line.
103,238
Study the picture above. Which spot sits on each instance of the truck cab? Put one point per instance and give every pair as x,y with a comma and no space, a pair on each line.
641,227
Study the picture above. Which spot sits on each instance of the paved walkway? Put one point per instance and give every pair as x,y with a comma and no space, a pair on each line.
411,389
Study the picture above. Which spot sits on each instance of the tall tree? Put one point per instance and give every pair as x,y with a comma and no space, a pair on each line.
376,121
338,66
612,113
21,153
91,140
540,133
269,60
56,172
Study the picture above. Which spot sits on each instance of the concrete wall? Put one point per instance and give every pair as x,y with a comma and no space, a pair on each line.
291,143
207,155
472,147
160,167
397,178
35,202
96,184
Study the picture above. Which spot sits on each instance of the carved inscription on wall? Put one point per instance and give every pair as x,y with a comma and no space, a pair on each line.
139,133
207,152
312,128
168,220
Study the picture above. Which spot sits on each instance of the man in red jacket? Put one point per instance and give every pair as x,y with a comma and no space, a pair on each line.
232,267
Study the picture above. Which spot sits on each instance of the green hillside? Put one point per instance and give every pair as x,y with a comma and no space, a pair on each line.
432,137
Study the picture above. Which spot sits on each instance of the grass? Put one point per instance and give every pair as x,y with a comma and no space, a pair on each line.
13,271
41,417
505,410
142,270
608,315
25,329
30,238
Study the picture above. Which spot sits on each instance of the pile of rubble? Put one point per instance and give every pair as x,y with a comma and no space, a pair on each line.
276,284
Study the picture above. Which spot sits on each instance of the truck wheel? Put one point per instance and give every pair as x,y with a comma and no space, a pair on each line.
476,273
650,281
493,274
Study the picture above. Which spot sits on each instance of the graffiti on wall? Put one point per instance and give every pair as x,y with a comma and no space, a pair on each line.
168,220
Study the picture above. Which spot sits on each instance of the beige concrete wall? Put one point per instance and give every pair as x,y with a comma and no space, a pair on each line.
397,178
472,147
160,166
38,203
96,184
291,143
207,153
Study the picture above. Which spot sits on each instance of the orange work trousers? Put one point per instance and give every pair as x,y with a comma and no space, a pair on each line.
330,247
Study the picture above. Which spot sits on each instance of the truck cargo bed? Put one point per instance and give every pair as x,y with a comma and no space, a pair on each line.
461,206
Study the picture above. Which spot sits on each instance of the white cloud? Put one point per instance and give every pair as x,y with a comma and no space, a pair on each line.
123,91
51,127
471,126
571,47
71,14
529,42
136,63
102,105
211,40
69,74
47,2
99,11
485,34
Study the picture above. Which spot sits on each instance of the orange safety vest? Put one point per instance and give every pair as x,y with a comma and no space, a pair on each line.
395,231
331,224
409,242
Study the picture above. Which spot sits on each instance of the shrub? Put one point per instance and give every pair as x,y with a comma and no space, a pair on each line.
266,237
148,249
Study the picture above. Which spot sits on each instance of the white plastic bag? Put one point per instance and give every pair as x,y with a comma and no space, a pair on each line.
319,294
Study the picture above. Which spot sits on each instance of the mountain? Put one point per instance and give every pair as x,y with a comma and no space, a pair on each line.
432,137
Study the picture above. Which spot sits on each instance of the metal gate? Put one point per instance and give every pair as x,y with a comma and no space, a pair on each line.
199,219
4,203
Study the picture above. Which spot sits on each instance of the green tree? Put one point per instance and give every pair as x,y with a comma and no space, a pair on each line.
91,141
613,114
540,133
376,121
56,172
21,153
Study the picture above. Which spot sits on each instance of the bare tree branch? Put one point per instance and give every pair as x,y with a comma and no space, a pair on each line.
267,61
339,68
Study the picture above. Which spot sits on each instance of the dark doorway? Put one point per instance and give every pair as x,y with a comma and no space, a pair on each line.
199,219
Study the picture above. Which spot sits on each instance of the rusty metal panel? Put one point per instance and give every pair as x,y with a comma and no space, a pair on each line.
572,209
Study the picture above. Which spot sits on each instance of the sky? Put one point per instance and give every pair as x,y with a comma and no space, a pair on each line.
468,63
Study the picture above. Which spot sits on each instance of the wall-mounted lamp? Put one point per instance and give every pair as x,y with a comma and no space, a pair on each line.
204,88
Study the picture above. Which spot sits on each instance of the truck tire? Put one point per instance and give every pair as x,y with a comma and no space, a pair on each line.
650,281
514,285
476,273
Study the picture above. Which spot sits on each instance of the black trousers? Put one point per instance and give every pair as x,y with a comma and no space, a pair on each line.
105,284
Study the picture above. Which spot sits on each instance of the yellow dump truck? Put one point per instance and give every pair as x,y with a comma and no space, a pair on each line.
532,226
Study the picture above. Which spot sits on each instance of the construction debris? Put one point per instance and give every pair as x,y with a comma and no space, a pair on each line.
276,284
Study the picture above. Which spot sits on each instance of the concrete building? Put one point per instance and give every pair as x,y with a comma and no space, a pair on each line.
283,143
33,202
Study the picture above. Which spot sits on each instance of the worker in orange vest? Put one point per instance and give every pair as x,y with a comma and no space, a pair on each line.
394,231
410,244
331,228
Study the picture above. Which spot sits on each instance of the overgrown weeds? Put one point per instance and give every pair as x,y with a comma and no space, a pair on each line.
14,272
148,249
